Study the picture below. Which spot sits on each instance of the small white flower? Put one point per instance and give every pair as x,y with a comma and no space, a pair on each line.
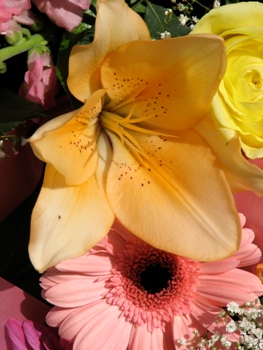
252,314
182,341
231,327
181,7
245,324
168,12
258,332
195,19
226,343
210,343
165,35
233,307
215,337
183,19
249,341
216,4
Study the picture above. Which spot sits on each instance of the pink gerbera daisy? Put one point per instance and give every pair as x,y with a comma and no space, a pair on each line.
126,294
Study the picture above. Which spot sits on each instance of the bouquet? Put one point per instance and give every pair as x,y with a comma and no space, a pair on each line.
136,127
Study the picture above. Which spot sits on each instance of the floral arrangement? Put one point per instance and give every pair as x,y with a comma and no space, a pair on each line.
139,125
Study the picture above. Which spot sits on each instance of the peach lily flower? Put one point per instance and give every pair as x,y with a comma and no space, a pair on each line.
130,151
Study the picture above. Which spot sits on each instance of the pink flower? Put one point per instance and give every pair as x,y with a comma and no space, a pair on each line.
30,335
126,294
10,8
26,18
12,32
40,83
65,13
252,206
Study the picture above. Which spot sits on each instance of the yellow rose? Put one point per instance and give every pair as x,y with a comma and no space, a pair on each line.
237,108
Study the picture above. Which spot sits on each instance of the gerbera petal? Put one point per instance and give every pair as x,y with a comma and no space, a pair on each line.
108,37
220,289
242,219
248,253
56,315
68,142
101,318
75,319
241,174
73,293
159,77
83,210
58,277
204,312
190,200
141,338
184,326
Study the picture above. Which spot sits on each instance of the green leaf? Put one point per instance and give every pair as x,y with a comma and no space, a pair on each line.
137,6
158,22
15,109
6,127
140,8
83,34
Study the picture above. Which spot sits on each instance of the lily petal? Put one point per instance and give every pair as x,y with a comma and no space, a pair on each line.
159,77
177,190
85,60
77,218
241,174
74,135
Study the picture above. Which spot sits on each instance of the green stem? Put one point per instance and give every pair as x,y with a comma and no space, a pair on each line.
199,3
11,51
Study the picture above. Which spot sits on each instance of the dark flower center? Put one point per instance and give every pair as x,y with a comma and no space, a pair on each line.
155,278
151,286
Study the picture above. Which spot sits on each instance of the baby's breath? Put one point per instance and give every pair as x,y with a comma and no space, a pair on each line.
244,321
184,10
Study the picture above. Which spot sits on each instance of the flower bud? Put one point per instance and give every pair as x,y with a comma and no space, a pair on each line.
3,68
13,37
